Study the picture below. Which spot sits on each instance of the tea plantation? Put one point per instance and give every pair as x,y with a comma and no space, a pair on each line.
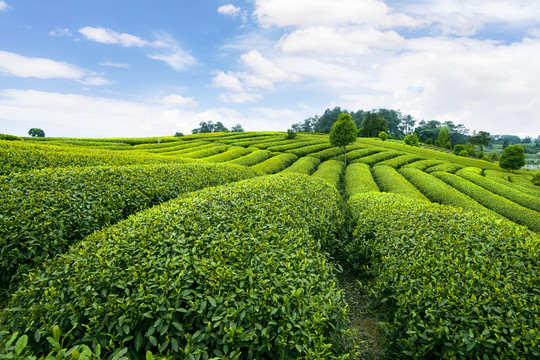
236,246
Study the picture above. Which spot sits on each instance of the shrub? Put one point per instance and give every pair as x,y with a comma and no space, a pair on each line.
330,171
9,137
294,145
458,149
291,134
310,150
306,165
389,180
234,152
493,157
453,284
234,271
424,164
400,160
358,153
512,158
446,167
464,153
43,212
411,139
383,136
358,178
378,157
204,153
334,153
253,158
275,164
536,178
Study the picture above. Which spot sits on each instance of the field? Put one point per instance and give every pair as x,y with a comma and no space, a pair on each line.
253,246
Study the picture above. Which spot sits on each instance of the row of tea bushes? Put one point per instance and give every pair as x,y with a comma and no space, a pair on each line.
389,180
275,164
453,284
184,150
216,149
330,171
440,192
253,158
357,153
18,156
42,212
423,164
372,160
445,167
295,145
230,272
524,189
168,147
305,165
311,150
500,205
358,178
400,161
508,192
234,152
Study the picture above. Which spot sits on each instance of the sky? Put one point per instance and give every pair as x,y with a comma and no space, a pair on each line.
96,68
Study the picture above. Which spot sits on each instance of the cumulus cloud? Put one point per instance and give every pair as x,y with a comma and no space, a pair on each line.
12,64
239,98
108,36
178,100
229,9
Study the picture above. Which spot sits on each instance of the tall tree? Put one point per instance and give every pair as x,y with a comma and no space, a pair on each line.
325,122
237,128
512,158
393,120
35,132
407,124
343,133
219,127
481,138
372,125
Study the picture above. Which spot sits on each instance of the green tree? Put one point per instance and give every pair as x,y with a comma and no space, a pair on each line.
444,136
219,127
481,138
512,158
383,136
411,139
343,133
373,124
35,132
178,134
291,134
459,148
464,153
237,128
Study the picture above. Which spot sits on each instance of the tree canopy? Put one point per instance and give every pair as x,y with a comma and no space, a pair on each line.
209,127
35,132
512,158
343,132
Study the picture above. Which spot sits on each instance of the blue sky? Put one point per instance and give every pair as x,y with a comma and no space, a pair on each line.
119,68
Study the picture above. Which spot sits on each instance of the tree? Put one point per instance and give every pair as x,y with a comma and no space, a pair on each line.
178,134
482,138
383,136
237,128
444,136
459,148
327,120
35,132
464,153
411,139
512,158
372,125
219,127
343,133
291,134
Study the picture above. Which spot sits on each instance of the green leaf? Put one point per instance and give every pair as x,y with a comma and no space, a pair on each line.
149,355
56,333
21,344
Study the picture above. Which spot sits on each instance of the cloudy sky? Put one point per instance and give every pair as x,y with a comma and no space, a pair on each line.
102,68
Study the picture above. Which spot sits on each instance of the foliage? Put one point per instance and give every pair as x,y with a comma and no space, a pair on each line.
330,171
446,167
232,153
43,212
334,153
389,180
512,158
305,165
493,157
424,164
9,137
464,153
372,125
209,127
234,271
400,161
383,136
481,138
291,134
237,128
358,178
35,132
311,150
444,136
252,158
343,133
536,178
275,164
411,139
178,134
293,145
453,284
378,157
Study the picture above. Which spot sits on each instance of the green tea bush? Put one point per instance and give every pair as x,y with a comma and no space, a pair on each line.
506,192
446,167
43,212
305,165
252,158
499,204
200,154
400,161
230,272
453,284
234,152
472,169
358,178
389,180
258,140
523,189
358,153
275,164
189,149
378,157
311,150
295,145
496,174
440,192
423,164
168,147
281,141
330,171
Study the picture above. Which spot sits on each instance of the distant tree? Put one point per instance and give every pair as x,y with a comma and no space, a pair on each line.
407,124
493,157
291,134
512,158
411,139
343,133
482,138
459,148
35,132
444,136
464,153
426,130
383,136
209,127
9,137
327,120
237,128
470,149
527,140
219,127
307,125
372,125
393,120
505,144
536,178
178,134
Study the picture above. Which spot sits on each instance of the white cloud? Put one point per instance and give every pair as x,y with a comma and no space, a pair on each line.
178,100
12,64
60,32
116,65
229,9
4,6
239,98
108,36
227,81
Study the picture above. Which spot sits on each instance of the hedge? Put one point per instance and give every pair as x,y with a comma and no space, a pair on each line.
201,154
446,167
189,149
440,192
453,284
378,157
305,165
400,161
423,164
330,171
275,164
43,212
496,174
523,189
311,150
295,145
507,192
358,178
500,205
167,147
236,271
234,152
358,153
252,158
389,180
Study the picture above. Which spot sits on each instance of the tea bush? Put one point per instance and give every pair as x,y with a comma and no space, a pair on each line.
305,165
358,178
500,205
236,271
252,158
42,212
216,149
453,284
389,180
311,150
400,161
378,157
275,164
423,164
234,152
330,171
295,145
446,167
358,153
